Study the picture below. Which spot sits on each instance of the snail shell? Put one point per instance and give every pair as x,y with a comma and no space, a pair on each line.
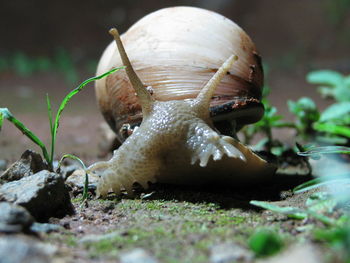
175,51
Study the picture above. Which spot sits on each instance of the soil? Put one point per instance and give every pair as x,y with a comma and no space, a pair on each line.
174,224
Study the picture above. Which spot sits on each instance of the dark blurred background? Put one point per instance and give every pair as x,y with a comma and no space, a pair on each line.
306,34
49,46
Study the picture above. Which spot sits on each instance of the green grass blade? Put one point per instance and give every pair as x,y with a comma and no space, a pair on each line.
332,128
49,112
317,182
5,113
86,183
1,120
317,151
67,99
292,212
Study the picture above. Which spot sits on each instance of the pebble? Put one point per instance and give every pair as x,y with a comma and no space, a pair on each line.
230,252
301,253
137,255
43,194
14,218
14,249
77,180
29,164
45,228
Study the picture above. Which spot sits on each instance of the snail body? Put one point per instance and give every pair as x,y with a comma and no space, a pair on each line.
175,51
177,143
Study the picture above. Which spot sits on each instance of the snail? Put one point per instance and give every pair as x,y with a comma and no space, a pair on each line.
175,51
177,141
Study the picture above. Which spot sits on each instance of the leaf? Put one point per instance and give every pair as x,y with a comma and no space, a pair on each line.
265,243
318,182
1,120
321,202
5,113
67,99
332,128
86,184
49,112
335,111
331,139
292,212
325,150
327,77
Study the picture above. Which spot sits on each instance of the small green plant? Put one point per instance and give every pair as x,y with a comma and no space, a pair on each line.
338,238
306,114
54,124
332,126
269,121
332,84
86,183
265,242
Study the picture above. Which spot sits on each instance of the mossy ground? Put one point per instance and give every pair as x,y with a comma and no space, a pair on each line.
174,224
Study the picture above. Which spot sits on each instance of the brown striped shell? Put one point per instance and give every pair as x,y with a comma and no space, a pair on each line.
175,51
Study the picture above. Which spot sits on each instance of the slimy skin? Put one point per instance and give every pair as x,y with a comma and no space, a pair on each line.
176,143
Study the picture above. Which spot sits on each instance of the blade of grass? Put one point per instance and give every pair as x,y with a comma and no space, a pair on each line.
318,183
86,183
67,99
332,128
1,120
315,152
327,179
49,112
292,212
5,113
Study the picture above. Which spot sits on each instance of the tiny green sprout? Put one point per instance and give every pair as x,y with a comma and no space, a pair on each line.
306,114
54,124
265,242
1,120
86,183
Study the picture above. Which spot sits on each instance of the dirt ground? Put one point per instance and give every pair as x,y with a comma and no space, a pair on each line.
173,224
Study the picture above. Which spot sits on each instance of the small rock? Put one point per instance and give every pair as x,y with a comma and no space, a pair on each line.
137,255
21,249
43,194
45,228
67,167
301,253
3,165
230,252
14,218
30,163
77,181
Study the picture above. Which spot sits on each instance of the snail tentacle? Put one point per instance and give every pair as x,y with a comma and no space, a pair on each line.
143,94
204,97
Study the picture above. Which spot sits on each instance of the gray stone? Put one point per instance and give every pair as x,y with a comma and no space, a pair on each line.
138,255
24,250
43,194
14,218
76,181
301,253
230,252
45,228
30,163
